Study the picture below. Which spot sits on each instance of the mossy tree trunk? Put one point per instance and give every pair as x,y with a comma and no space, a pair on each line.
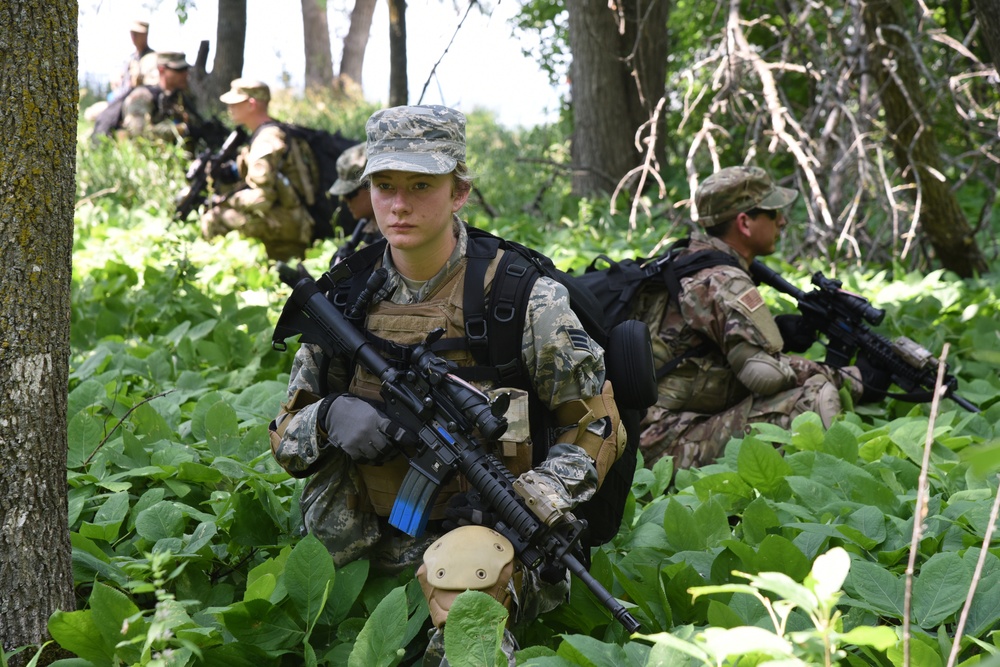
38,99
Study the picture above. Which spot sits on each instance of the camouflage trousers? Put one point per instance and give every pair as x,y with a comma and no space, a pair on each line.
283,239
694,439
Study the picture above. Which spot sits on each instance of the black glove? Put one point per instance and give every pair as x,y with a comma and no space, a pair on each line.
875,381
797,335
358,428
466,509
225,172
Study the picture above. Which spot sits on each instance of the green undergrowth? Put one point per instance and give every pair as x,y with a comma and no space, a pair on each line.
187,541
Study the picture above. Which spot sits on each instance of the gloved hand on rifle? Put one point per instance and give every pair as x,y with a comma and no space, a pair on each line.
797,335
875,381
224,172
466,509
360,430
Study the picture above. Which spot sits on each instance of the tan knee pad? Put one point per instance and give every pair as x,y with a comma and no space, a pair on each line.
828,403
467,558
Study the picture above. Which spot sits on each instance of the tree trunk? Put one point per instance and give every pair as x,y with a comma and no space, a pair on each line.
355,43
988,13
38,95
616,52
230,40
914,145
398,85
316,34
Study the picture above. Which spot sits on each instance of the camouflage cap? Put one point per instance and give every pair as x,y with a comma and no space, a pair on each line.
172,60
350,166
420,139
241,90
139,26
734,190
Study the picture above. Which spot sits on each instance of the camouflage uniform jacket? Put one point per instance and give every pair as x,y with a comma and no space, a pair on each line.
152,112
720,306
561,370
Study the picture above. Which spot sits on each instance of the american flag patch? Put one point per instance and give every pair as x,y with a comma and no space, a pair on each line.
579,339
751,299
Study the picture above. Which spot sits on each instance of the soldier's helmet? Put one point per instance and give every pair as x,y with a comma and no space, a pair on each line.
734,190
350,166
421,139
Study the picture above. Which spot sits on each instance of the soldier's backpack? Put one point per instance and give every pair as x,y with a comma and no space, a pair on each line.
494,327
618,285
326,147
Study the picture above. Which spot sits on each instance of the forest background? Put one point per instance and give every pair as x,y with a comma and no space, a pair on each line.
181,545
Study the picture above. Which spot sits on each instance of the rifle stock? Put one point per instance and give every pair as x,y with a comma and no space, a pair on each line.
840,316
443,411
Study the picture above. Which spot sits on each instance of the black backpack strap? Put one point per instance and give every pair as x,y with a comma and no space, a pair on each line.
481,250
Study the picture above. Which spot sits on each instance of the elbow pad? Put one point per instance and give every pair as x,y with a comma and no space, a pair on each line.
605,448
764,375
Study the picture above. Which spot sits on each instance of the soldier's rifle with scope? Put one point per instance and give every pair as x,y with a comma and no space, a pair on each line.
841,316
203,167
444,412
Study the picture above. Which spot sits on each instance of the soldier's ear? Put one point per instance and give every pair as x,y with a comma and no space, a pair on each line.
742,225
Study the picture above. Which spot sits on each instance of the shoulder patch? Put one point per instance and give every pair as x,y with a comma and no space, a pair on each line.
751,299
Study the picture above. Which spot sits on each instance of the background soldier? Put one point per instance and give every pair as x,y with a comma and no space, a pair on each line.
165,111
276,175
333,429
354,193
732,370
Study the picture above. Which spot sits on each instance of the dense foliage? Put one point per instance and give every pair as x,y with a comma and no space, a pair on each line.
187,546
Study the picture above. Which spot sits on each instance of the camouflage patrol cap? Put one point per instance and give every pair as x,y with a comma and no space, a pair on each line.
241,90
420,139
140,27
734,190
172,60
350,165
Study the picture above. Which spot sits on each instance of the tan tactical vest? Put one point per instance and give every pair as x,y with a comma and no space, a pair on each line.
408,325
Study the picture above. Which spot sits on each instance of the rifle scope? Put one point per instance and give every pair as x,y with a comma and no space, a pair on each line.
854,304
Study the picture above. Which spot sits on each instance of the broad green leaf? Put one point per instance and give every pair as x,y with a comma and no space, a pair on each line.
474,632
777,554
713,523
880,589
865,527
940,589
720,642
110,609
920,654
841,442
381,640
682,530
828,573
681,645
758,519
263,625
222,430
77,632
591,652
309,575
880,638
84,434
159,521
761,466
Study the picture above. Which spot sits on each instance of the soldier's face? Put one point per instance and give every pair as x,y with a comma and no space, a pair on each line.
414,211
238,112
765,231
174,79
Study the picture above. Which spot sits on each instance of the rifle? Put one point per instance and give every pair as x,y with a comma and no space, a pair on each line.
195,193
841,315
443,411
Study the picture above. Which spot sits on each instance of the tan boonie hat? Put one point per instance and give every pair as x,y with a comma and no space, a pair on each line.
734,190
420,139
139,26
172,60
350,166
242,90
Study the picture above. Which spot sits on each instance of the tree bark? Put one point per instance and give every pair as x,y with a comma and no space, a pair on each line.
988,13
617,76
316,37
230,41
398,83
915,147
352,59
38,95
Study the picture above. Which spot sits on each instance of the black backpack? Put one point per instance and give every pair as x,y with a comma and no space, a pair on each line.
326,147
493,335
617,286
